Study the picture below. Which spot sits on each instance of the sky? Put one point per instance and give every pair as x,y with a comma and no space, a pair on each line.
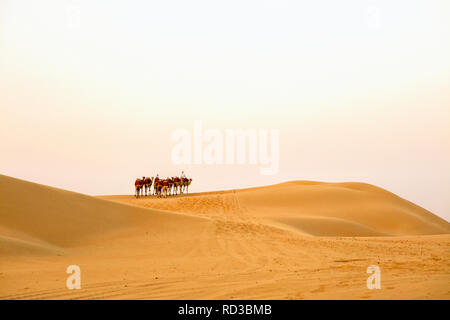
91,92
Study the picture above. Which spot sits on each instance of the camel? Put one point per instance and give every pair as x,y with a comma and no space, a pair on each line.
170,185
138,184
176,184
148,185
158,187
156,182
141,187
184,185
187,184
165,186
161,187
182,180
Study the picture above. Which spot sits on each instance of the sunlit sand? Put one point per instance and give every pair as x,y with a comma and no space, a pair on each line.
295,240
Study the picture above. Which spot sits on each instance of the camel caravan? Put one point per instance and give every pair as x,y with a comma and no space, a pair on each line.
161,187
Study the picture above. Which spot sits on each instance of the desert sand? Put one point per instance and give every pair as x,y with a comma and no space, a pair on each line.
295,240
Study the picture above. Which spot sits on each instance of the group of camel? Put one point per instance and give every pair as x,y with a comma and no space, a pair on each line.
161,187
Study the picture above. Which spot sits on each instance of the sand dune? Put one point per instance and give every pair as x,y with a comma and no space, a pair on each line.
315,208
67,219
294,240
342,209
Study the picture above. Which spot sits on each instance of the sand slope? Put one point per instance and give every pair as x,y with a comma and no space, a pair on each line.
314,208
36,214
277,242
342,209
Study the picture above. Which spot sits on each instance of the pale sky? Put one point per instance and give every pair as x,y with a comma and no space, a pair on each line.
90,91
